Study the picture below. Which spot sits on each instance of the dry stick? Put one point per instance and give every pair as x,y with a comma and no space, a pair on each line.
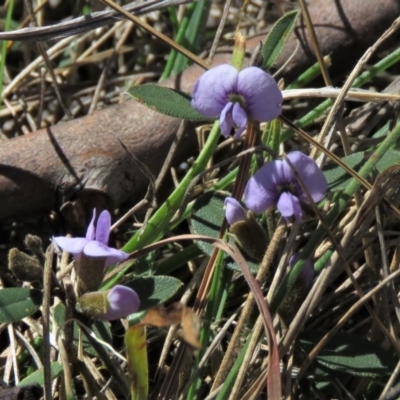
315,43
248,308
337,104
41,97
325,74
46,321
328,82
35,356
26,21
67,373
100,83
157,34
49,67
85,23
218,34
280,270
13,352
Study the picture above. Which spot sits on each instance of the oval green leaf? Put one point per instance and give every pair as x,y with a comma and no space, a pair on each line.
350,354
154,290
167,101
277,37
18,303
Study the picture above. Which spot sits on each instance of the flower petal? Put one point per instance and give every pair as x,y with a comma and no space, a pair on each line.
98,249
210,93
73,246
262,189
122,301
239,117
90,233
226,121
289,205
234,212
311,175
262,94
103,227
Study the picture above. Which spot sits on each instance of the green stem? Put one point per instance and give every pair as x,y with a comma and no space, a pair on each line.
159,223
4,47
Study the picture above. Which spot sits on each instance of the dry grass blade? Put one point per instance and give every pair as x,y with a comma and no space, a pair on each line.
87,22
342,321
346,87
157,34
315,43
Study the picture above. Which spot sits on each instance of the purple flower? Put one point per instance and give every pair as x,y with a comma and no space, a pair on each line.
234,212
121,302
275,184
236,96
95,243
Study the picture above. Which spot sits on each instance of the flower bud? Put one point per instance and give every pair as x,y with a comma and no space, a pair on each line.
234,212
34,244
248,232
24,267
119,302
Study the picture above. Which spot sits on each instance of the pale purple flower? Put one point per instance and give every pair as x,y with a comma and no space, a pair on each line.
95,244
275,184
121,302
234,212
235,96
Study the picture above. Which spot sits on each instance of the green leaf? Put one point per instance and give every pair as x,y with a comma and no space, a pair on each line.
18,303
136,350
100,328
154,290
350,354
166,101
207,220
277,37
38,376
339,179
193,32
